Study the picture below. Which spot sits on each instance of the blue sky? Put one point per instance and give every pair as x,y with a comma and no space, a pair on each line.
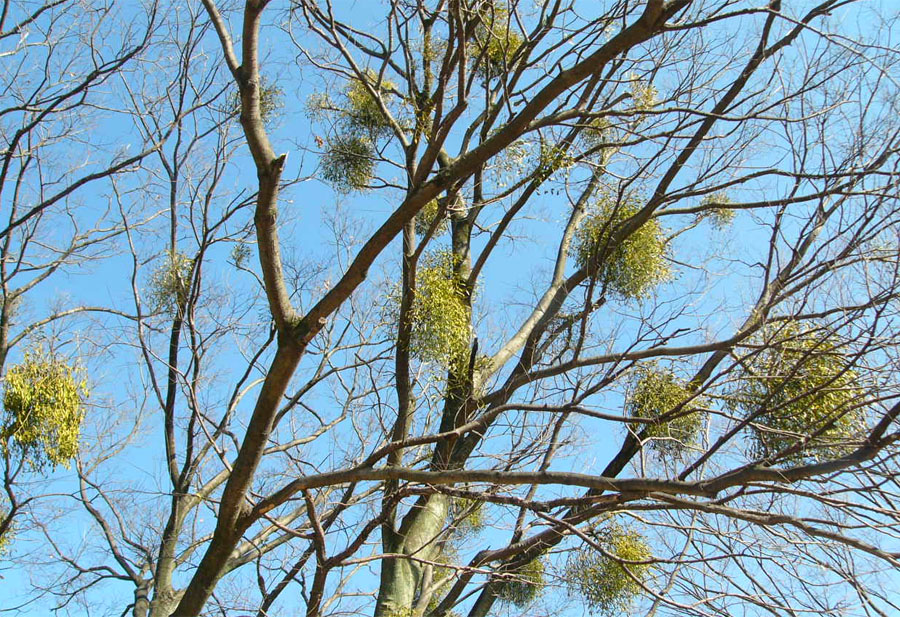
314,219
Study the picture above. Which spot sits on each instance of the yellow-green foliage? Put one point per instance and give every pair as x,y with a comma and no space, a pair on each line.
443,576
510,162
468,515
596,132
170,282
43,401
552,159
348,164
362,111
718,215
644,96
521,586
603,582
4,541
495,43
633,267
271,99
656,392
802,382
357,112
426,216
240,254
319,106
5,537
440,314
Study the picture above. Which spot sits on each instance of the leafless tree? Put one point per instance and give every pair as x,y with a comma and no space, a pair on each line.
59,61
598,314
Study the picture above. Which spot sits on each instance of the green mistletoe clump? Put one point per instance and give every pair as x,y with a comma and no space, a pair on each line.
596,132
495,43
608,585
467,515
43,408
359,120
440,313
349,163
552,159
271,101
6,536
717,212
632,267
522,585
170,282
801,391
657,393
427,216
361,110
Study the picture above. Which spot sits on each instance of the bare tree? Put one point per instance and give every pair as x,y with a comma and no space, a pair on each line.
59,59
599,315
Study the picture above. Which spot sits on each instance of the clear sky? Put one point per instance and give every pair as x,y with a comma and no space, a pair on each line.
320,230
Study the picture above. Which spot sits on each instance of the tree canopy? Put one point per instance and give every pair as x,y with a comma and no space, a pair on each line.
431,308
